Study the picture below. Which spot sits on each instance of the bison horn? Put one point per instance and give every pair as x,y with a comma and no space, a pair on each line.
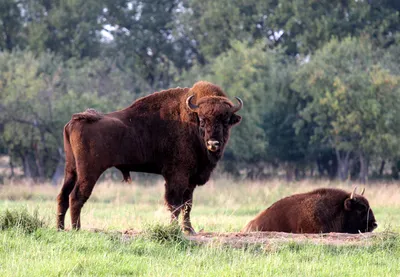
237,107
189,104
362,192
354,192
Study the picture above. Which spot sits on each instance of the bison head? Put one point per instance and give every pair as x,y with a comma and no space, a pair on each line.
216,115
359,217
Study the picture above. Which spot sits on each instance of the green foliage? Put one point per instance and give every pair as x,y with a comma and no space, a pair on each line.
297,25
262,79
353,99
241,72
23,94
170,233
69,28
216,24
20,220
10,25
39,95
149,39
61,57
308,25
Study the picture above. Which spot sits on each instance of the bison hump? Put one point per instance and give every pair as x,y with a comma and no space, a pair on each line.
90,115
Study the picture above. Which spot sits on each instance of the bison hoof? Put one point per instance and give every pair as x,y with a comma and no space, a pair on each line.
189,231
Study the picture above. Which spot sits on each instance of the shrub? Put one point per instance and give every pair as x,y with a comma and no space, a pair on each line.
21,220
165,233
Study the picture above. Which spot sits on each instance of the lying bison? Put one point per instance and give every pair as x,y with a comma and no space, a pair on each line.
319,211
179,133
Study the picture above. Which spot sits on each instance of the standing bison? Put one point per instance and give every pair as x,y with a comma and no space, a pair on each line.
319,211
179,133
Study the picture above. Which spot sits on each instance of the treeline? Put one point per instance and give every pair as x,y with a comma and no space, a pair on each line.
320,80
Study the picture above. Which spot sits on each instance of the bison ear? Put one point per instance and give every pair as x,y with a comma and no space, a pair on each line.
235,119
348,204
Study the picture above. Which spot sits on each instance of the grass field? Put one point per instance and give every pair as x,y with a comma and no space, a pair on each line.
219,206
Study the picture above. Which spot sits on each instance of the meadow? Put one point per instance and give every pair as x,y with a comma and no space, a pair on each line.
223,205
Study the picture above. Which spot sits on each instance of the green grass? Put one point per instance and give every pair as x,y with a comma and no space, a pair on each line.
47,252
20,220
161,250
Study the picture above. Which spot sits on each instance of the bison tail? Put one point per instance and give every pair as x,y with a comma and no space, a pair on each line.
69,156
90,115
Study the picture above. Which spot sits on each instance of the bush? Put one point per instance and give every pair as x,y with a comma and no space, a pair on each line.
21,220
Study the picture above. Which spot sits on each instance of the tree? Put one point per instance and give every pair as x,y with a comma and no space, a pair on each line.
10,25
307,25
353,101
215,24
261,77
299,26
240,72
36,101
68,28
148,38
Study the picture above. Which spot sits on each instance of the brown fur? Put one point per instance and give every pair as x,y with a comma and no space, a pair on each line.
156,134
320,211
90,115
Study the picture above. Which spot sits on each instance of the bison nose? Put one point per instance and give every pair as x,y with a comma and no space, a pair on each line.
374,225
213,145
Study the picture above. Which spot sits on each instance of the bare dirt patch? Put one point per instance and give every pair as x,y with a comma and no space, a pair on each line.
273,238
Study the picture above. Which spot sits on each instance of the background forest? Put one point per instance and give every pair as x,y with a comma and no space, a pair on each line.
320,80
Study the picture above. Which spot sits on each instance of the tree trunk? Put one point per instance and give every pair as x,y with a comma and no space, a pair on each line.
320,168
38,162
58,173
290,172
12,173
382,168
363,177
26,166
39,166
296,173
343,159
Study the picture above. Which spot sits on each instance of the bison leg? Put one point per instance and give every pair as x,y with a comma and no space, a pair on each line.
178,196
125,173
127,177
187,207
173,203
79,195
62,198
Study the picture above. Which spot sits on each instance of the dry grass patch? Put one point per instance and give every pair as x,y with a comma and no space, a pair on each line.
222,205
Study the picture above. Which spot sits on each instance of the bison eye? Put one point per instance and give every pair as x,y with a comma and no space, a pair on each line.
363,209
201,120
